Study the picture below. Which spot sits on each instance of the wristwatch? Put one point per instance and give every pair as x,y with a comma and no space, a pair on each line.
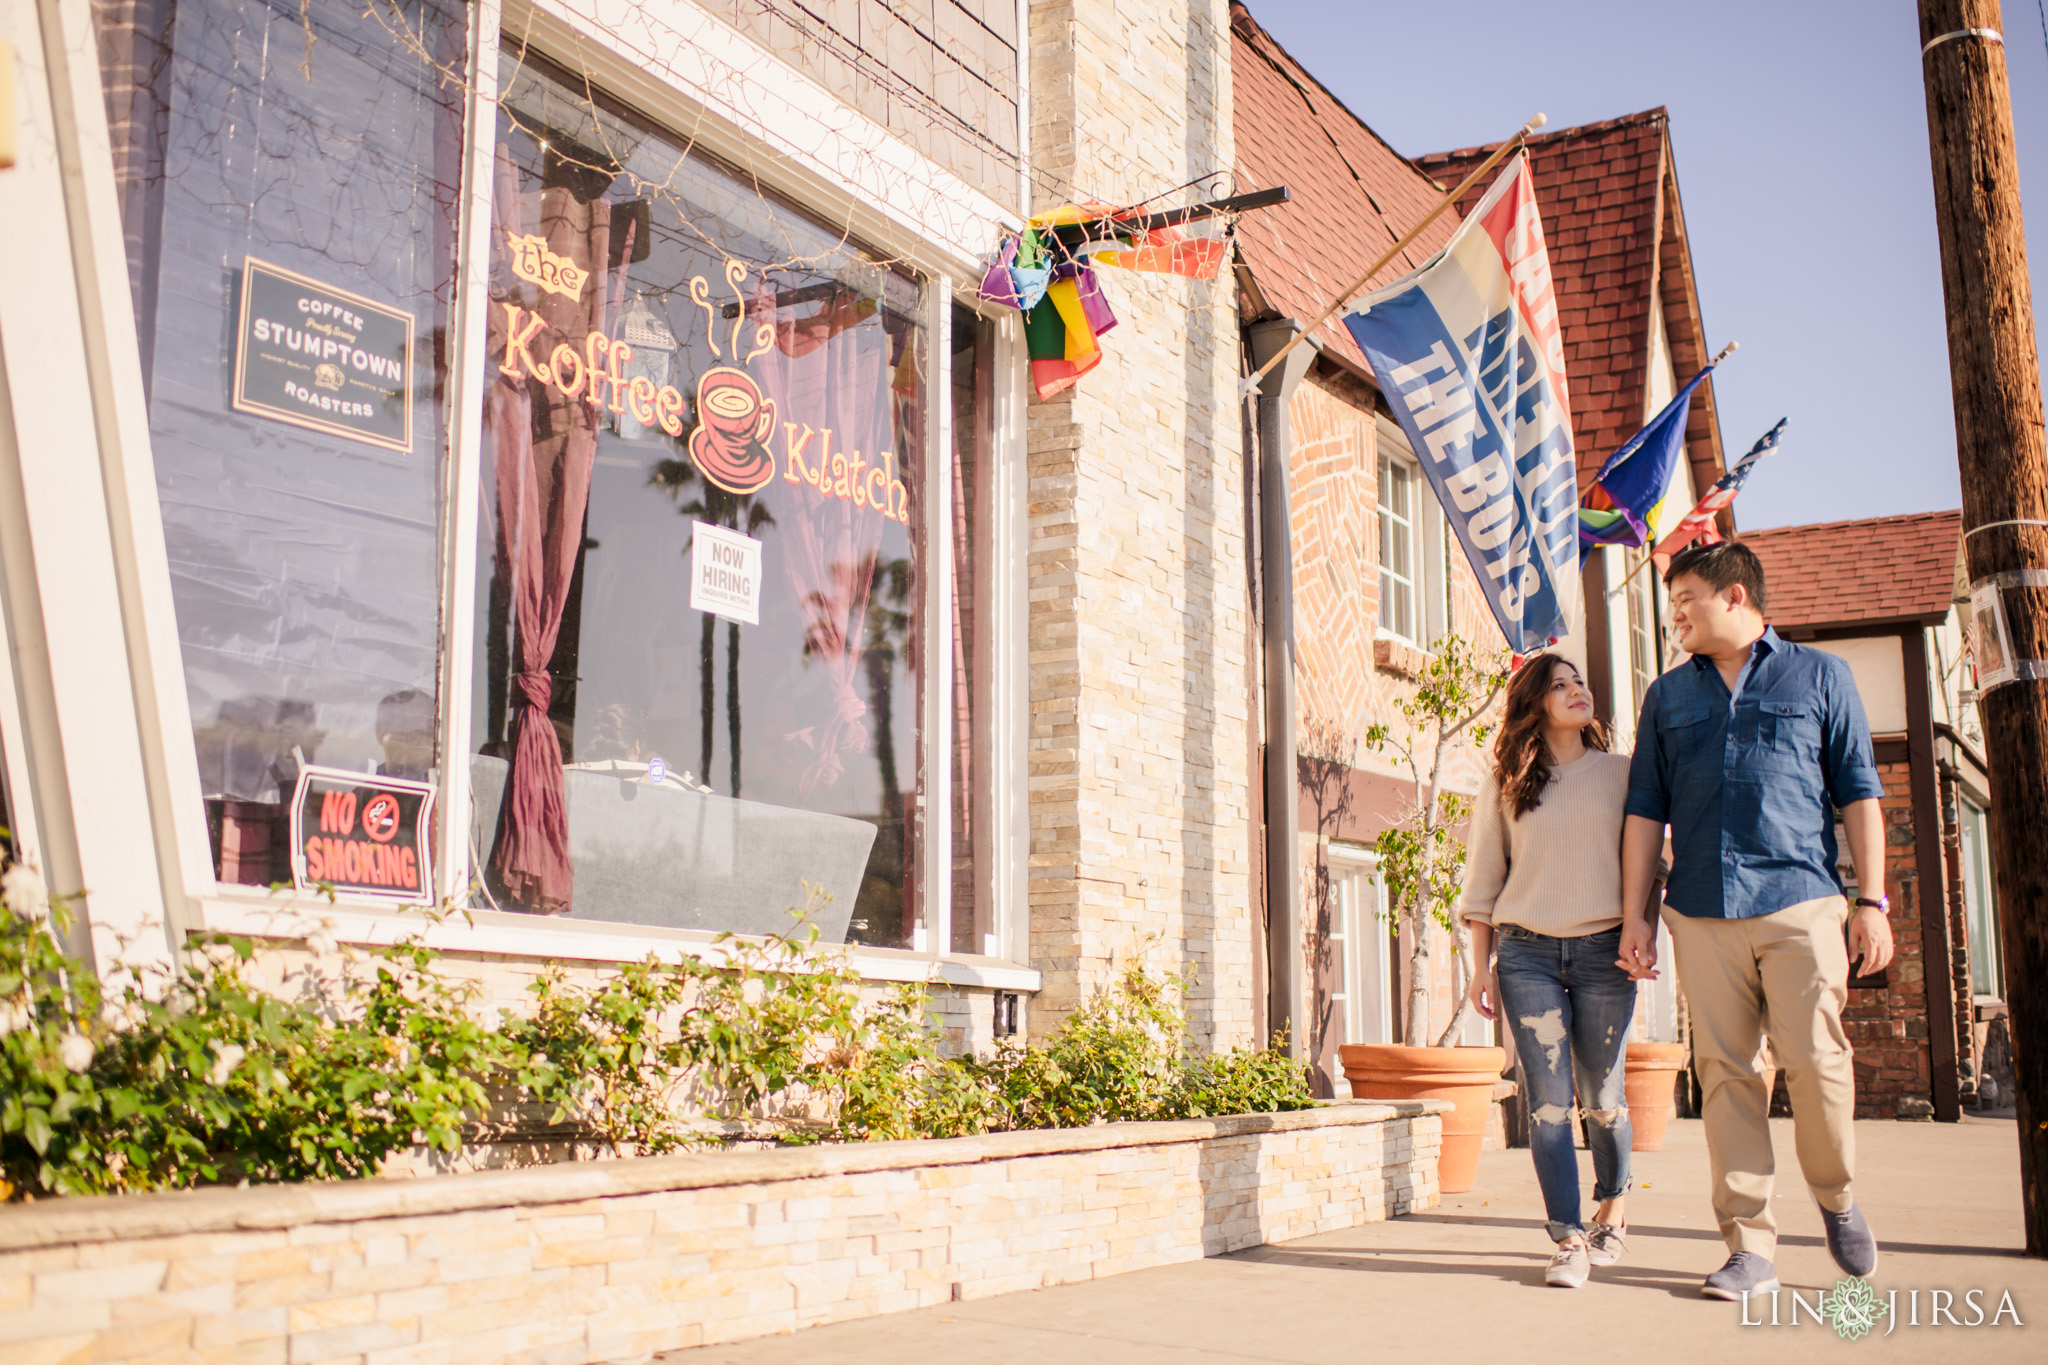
1882,904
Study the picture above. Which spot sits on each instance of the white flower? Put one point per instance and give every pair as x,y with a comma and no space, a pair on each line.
321,943
122,1015
76,1051
227,1056
21,887
14,1015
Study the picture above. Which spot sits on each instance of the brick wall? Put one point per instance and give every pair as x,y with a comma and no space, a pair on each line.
613,1260
1888,1027
1343,683
1346,680
1139,802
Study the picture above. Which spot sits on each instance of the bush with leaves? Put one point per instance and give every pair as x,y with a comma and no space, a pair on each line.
206,1079
1124,1055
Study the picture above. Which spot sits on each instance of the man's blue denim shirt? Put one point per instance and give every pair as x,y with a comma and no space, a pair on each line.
1749,782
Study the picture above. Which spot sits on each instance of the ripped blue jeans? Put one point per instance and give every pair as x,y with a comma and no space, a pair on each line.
1569,1008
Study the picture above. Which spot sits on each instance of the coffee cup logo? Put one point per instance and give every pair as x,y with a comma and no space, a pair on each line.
733,425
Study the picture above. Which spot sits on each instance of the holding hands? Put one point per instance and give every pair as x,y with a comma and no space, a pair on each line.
1638,948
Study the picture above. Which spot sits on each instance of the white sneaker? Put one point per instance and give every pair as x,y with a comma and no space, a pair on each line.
1569,1267
1606,1242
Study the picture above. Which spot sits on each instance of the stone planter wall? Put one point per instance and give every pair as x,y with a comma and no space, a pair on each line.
610,1260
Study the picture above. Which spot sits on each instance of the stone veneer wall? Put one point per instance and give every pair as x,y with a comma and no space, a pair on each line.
611,1260
1140,795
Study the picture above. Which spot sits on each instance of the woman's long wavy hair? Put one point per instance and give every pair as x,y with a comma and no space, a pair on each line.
1521,758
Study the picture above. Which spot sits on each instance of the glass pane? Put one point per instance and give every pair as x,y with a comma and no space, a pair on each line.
287,180
1986,976
973,406
702,566
1400,606
1401,492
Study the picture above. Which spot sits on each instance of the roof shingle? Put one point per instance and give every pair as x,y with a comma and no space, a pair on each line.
1353,195
1878,570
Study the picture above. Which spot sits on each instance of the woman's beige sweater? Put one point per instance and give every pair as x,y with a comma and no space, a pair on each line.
1557,869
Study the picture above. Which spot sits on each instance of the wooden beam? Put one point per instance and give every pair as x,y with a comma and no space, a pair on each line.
1995,381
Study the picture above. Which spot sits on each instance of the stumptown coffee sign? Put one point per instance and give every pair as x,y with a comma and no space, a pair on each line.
736,431
324,358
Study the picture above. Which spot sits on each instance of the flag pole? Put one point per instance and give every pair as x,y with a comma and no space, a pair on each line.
1504,150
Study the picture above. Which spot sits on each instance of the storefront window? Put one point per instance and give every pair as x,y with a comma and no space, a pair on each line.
701,577
287,175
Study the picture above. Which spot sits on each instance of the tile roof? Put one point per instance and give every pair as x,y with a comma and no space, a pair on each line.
1353,194
1883,569
1615,230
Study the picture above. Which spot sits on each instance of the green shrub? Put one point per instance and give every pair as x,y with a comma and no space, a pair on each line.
206,1079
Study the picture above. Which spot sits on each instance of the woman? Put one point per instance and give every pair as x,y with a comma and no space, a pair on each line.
1543,886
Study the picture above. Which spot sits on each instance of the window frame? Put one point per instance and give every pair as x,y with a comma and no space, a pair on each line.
1642,610
838,165
1980,897
1429,546
1357,870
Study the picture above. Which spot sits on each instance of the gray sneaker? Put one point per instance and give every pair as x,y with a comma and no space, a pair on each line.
1569,1267
1850,1241
1745,1273
1606,1242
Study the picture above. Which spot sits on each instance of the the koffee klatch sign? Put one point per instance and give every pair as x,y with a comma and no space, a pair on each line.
320,357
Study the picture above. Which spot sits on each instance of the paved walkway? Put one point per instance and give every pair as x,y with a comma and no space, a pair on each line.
1467,1279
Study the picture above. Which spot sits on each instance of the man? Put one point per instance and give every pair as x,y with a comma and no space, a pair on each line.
1746,750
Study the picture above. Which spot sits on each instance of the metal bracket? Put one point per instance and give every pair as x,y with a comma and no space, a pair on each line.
1989,35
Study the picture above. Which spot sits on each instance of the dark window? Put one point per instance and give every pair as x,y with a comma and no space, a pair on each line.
320,142
695,392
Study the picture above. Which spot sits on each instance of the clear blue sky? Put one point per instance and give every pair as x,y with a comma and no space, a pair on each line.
1800,132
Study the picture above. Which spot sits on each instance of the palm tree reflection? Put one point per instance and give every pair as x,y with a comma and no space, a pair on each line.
739,512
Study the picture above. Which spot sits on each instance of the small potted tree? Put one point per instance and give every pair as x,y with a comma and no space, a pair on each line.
1421,863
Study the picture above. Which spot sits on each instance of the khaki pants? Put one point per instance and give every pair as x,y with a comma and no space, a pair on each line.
1786,974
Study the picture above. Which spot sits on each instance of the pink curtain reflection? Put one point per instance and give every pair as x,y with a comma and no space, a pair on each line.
828,371
543,488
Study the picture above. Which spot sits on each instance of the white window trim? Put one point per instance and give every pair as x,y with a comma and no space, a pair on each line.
1429,586
1352,860
736,101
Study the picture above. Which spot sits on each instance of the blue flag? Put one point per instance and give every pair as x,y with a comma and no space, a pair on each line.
1637,477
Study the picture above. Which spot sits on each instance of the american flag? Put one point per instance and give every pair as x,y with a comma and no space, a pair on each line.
1699,523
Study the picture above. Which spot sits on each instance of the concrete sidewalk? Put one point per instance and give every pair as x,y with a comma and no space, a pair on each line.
1467,1279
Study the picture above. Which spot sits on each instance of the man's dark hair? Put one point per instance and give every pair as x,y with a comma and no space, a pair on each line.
1720,567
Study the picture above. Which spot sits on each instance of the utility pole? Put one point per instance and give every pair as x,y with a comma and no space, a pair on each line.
1996,379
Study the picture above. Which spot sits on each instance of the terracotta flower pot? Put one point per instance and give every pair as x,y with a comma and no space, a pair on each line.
1462,1075
1652,1078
